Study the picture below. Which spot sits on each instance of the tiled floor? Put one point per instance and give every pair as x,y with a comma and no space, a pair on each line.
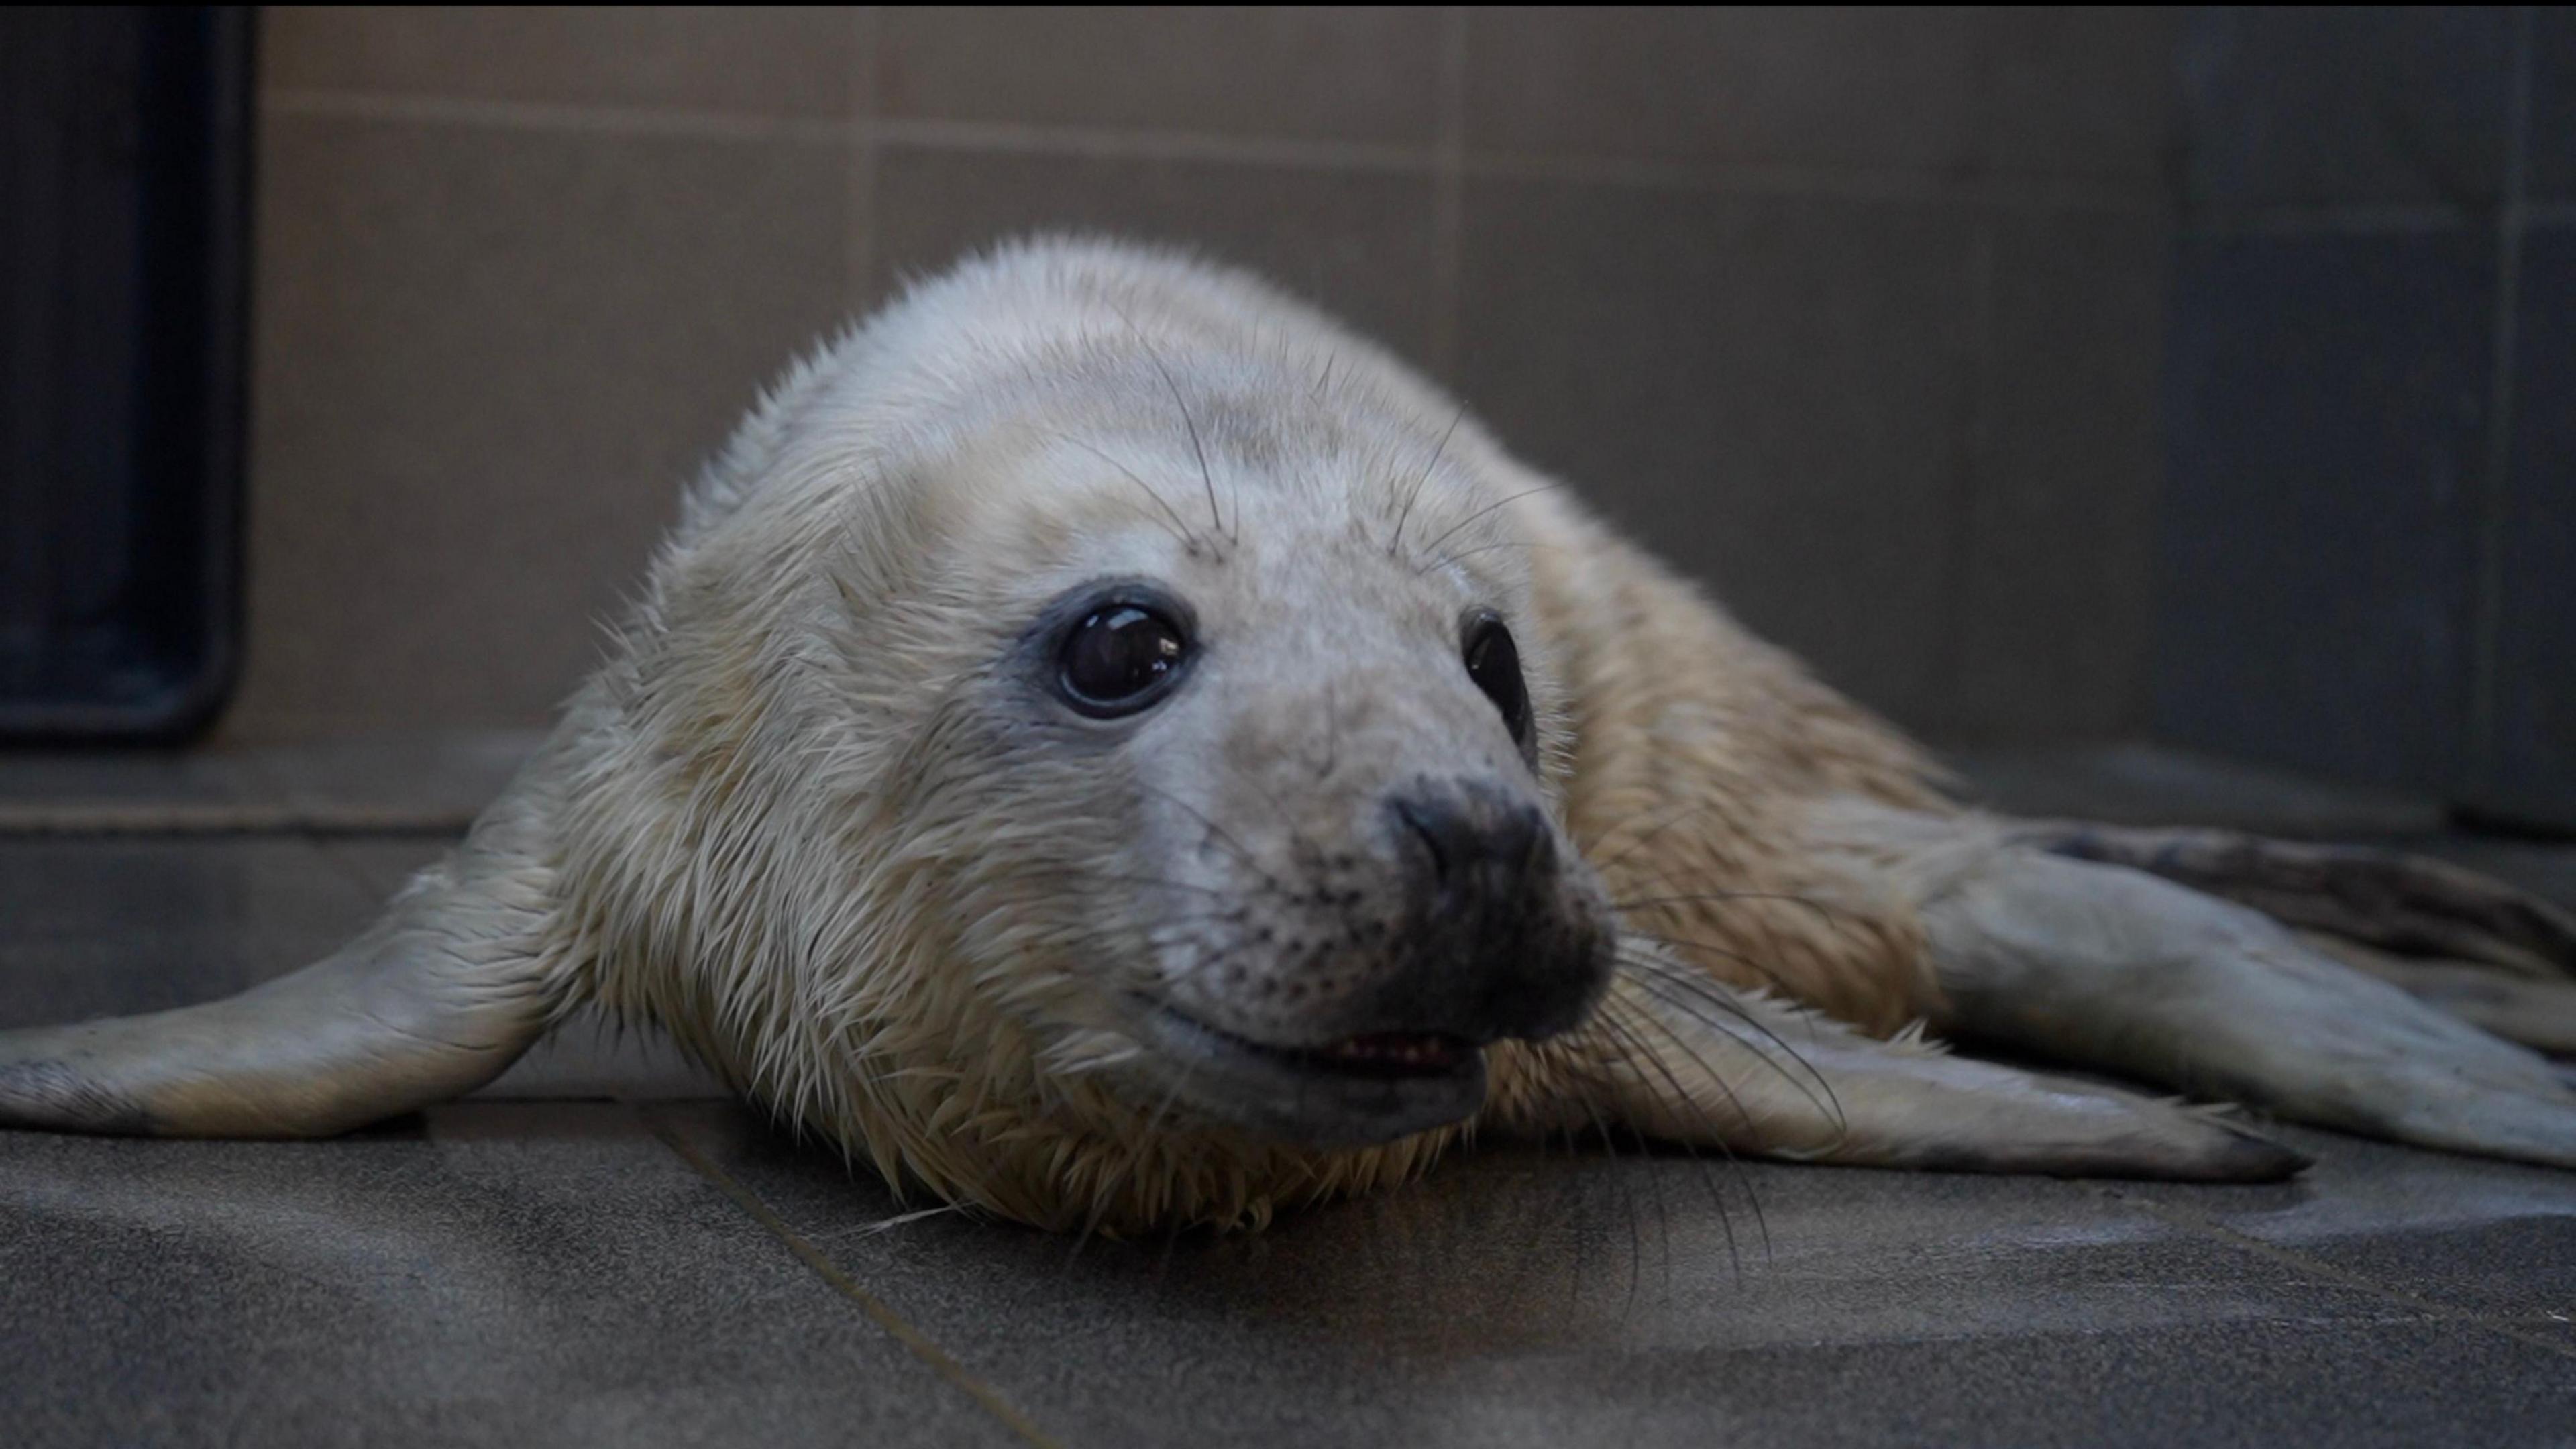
667,1270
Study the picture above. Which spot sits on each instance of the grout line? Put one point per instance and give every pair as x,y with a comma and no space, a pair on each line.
2018,190
2193,1221
1449,193
2331,221
548,116
2476,774
1114,144
920,1344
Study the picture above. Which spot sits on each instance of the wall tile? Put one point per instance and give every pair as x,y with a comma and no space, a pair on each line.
2080,91
484,363
1794,87
1359,243
1768,389
755,59
2552,163
2325,417
2531,772
2345,105
1342,73
2061,538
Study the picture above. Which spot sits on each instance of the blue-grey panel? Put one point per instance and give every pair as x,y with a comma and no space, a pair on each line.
2528,769
2324,422
2552,166
2343,105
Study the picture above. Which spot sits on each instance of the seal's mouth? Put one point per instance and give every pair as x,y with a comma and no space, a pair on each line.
1362,1089
1375,1054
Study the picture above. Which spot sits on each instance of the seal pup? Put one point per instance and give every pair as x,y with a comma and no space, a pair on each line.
1115,749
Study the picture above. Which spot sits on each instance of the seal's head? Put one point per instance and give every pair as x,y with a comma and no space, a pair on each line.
1297,858
1167,749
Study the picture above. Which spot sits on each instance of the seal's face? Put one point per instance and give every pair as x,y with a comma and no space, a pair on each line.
1301,864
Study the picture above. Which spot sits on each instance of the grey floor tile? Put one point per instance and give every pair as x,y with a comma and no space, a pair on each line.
2493,1238
1515,1297
496,1275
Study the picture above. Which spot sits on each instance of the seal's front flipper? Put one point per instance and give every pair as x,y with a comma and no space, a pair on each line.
436,999
1675,1056
2113,968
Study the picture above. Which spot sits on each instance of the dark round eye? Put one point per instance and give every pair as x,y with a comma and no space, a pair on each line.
1494,662
1119,658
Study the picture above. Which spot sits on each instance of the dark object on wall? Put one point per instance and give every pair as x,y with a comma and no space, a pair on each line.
124,145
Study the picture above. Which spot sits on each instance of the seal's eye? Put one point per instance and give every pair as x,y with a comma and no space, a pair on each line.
1119,658
1494,662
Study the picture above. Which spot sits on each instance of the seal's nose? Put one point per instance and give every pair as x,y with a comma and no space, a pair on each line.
1503,941
1474,852
1478,846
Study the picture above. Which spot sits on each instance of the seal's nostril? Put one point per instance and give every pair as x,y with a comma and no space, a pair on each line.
1430,823
1464,829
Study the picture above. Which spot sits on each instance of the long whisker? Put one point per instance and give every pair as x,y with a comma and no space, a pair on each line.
1694,998
1395,541
1637,1050
1467,553
1181,527
1197,448
1452,530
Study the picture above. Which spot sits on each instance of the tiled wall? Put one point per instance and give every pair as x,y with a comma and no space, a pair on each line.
1858,315
2370,545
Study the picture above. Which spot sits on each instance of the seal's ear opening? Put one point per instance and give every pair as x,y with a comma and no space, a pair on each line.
433,1001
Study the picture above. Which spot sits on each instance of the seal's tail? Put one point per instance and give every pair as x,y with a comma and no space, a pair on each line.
433,1001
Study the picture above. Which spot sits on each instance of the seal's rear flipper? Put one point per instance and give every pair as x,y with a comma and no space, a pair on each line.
2396,903
436,999
1681,1058
2113,968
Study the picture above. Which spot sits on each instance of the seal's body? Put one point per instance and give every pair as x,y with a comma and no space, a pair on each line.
1116,748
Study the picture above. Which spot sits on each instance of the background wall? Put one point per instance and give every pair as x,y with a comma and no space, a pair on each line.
1858,316
2370,542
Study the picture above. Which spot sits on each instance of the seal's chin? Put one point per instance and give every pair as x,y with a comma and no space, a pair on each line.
1357,1092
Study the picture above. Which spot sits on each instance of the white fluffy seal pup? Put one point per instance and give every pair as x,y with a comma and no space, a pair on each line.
1116,749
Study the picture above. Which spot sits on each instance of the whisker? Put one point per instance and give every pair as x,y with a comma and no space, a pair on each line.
1197,448
1682,1099
1395,541
1452,530
1688,997
1180,526
1467,553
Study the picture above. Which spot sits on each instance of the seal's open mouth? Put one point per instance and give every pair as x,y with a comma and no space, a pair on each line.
1377,1054
1366,1088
